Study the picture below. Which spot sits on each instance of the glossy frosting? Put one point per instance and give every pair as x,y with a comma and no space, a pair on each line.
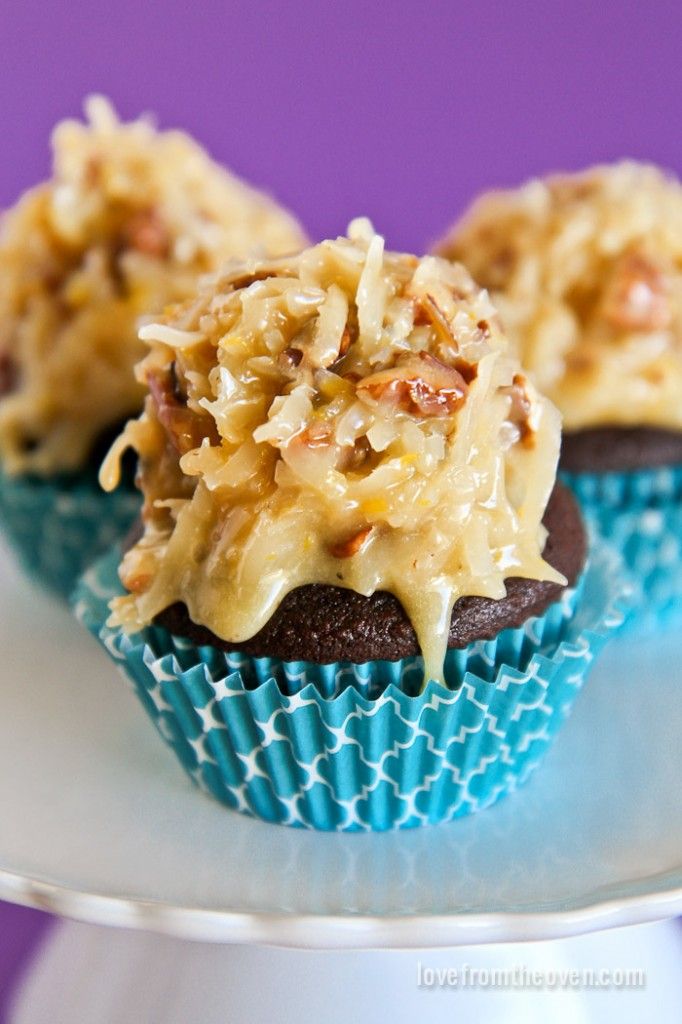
346,416
129,220
586,271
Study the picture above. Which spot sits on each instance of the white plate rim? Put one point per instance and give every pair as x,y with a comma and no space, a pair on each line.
335,931
641,898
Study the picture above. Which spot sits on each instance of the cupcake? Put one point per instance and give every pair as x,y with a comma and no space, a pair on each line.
129,220
586,271
358,598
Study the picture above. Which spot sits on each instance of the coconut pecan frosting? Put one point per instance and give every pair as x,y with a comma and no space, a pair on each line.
347,416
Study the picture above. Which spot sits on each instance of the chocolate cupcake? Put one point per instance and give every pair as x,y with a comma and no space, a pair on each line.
350,510
128,222
586,270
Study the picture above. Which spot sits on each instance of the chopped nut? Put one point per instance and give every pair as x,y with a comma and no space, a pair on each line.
349,547
637,297
566,189
428,311
138,583
147,233
289,359
420,385
500,266
178,391
468,370
330,359
317,435
581,363
8,374
186,429
92,172
654,375
520,408
351,331
355,456
345,343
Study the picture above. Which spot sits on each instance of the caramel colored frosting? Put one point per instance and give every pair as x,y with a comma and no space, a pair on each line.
129,220
586,271
347,416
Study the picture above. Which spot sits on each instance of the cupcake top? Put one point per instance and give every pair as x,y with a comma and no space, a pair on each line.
586,271
128,220
346,416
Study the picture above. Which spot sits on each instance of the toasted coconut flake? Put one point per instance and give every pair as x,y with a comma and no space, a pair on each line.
130,222
586,271
347,430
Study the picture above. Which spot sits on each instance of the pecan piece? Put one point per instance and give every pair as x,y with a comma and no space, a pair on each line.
420,385
350,332
317,434
468,370
138,583
428,311
186,429
147,233
355,456
520,408
346,339
8,374
349,547
289,360
637,297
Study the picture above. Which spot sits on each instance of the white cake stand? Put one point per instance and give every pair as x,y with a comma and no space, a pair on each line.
94,975
99,823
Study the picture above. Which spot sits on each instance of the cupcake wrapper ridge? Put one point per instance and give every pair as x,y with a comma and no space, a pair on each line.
350,748
57,528
639,512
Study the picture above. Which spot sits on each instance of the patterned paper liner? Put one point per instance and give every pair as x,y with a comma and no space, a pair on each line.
640,513
58,527
349,762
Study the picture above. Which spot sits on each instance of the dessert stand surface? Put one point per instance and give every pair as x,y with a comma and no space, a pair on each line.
99,823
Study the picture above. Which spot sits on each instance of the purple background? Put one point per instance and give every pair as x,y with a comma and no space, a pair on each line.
398,110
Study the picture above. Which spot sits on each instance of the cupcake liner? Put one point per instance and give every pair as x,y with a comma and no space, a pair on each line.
640,513
58,527
347,761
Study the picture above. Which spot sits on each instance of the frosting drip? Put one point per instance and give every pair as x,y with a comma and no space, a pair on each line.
346,416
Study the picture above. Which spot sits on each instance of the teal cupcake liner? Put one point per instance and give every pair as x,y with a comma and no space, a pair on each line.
640,513
58,527
314,751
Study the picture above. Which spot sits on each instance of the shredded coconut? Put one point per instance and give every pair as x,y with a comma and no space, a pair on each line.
129,220
586,271
299,445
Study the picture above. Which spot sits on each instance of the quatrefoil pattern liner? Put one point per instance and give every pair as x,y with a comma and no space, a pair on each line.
58,527
349,748
640,513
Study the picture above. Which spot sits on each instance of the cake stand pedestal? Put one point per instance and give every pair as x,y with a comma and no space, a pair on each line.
100,824
88,974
